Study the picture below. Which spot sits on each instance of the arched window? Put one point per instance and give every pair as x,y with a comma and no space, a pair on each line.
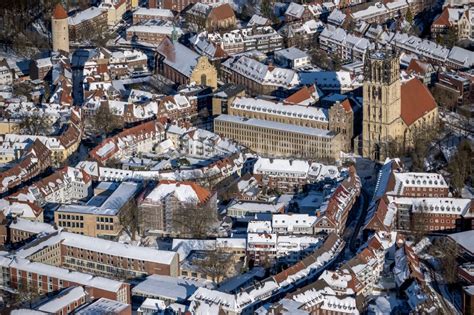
203,79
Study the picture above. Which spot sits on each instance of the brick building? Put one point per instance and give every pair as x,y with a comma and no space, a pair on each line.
100,257
18,273
211,17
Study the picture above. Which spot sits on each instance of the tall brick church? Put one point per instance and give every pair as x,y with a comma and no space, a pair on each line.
393,111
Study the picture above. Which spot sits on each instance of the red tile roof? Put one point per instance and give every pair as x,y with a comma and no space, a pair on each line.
443,19
416,101
301,95
221,12
59,12
346,105
418,66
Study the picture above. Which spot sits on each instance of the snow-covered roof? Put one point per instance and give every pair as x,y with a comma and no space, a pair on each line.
259,227
281,166
255,207
32,226
454,206
338,80
111,206
257,20
166,287
262,73
295,10
461,56
291,53
336,17
155,29
276,126
101,246
292,221
432,180
374,10
85,15
61,273
280,109
464,239
104,306
185,192
57,304
178,56
154,12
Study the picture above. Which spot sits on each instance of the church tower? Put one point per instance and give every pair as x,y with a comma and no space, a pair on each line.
381,104
60,29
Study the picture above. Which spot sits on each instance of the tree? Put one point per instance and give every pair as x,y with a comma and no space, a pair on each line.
421,139
449,39
215,264
26,295
129,219
34,123
266,9
196,221
409,16
105,121
23,89
461,166
448,253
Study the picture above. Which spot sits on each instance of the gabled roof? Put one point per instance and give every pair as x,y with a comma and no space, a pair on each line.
416,101
221,12
442,19
418,66
304,96
59,12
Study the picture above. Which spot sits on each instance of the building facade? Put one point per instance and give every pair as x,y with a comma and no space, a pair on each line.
279,139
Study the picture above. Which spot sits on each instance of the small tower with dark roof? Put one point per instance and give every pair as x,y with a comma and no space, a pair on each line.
60,29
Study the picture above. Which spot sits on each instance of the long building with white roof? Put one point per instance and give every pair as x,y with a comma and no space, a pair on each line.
49,278
99,256
271,138
309,116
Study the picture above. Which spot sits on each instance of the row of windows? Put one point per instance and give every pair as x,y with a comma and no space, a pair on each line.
105,227
104,219
70,217
71,224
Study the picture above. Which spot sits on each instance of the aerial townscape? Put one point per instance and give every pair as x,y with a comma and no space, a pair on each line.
226,157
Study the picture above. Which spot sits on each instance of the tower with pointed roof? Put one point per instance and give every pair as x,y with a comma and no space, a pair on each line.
60,29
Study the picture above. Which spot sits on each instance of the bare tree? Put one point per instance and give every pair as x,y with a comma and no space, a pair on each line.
216,264
105,120
448,252
461,166
195,221
34,123
129,219
26,295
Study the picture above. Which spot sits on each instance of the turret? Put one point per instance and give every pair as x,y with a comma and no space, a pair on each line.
60,29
